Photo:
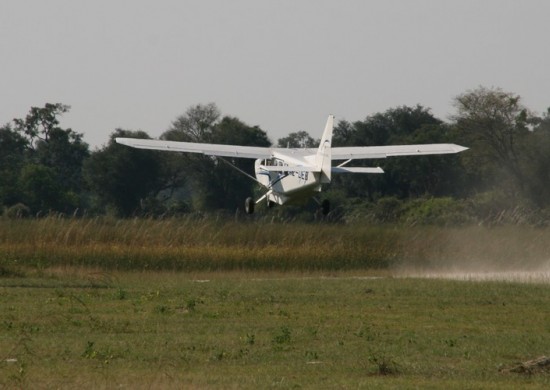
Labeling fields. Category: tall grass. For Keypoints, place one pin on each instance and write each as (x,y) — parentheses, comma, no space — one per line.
(191,244)
(188,244)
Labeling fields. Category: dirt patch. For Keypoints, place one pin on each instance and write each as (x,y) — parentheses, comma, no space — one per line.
(502,276)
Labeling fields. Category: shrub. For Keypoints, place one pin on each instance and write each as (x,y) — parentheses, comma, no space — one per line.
(17,211)
(388,209)
(436,211)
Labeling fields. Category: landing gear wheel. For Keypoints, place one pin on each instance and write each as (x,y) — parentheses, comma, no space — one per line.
(270,204)
(249,205)
(325,207)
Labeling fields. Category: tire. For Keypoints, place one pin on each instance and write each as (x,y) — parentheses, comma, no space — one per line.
(249,206)
(325,207)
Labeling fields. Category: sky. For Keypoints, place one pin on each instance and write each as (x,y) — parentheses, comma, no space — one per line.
(282,65)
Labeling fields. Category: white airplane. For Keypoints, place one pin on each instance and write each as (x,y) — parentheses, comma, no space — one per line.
(295,175)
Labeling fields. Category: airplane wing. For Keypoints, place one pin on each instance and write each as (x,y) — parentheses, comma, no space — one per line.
(364,152)
(193,147)
(254,152)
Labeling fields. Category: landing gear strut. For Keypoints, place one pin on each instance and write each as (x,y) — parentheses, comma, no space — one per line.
(249,205)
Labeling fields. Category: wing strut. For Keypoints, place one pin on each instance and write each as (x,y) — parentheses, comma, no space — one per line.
(240,170)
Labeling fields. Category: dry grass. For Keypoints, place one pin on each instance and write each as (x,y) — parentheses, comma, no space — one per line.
(204,245)
(190,245)
(194,245)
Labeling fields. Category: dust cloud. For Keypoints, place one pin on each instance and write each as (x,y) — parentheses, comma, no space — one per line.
(515,254)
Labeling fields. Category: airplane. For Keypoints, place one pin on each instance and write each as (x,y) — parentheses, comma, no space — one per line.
(292,175)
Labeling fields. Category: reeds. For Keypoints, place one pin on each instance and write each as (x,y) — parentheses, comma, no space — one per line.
(191,244)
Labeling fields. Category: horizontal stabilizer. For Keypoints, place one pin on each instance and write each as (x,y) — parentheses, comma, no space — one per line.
(357,170)
(289,168)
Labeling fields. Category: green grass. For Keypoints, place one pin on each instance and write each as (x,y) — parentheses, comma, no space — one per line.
(187,303)
(244,330)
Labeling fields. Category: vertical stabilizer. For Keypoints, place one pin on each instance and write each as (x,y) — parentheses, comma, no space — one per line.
(323,159)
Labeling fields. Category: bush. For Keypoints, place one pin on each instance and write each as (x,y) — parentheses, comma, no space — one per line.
(436,211)
(16,211)
(424,211)
(388,210)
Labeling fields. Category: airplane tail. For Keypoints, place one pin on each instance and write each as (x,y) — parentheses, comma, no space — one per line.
(323,159)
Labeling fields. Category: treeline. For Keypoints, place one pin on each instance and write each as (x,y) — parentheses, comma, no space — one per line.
(503,178)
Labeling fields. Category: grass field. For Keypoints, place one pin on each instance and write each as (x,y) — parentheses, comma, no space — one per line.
(169,330)
(86,304)
(193,245)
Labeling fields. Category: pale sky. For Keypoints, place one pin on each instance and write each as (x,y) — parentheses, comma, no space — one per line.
(283,65)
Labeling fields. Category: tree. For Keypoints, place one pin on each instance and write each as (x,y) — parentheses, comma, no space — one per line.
(494,124)
(195,125)
(536,163)
(387,128)
(404,176)
(182,169)
(225,187)
(60,150)
(212,182)
(64,152)
(300,139)
(40,122)
(42,191)
(417,176)
(122,177)
(12,159)
(543,123)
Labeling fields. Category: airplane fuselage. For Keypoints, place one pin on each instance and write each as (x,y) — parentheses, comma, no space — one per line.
(287,186)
